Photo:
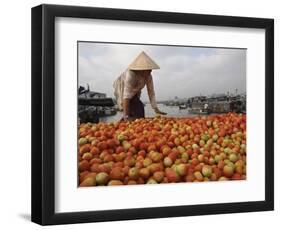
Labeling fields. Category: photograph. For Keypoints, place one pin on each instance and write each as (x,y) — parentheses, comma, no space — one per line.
(161,114)
(154,114)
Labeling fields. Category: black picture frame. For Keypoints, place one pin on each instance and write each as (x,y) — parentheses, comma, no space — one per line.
(43,113)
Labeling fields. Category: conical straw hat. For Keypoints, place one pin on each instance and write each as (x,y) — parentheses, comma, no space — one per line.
(143,62)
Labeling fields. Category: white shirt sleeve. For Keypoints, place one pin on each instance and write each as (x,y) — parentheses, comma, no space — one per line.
(150,92)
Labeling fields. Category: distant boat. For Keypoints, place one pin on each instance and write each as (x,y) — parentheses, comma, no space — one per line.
(220,103)
(93,105)
(182,106)
(198,111)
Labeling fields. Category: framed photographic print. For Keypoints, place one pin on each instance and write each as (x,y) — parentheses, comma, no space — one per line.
(145,114)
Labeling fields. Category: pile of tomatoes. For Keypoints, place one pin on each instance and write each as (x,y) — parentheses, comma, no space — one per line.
(163,150)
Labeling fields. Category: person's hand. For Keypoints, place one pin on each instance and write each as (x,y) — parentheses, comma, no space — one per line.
(157,111)
(124,118)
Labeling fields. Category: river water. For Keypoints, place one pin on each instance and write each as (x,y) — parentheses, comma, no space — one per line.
(172,111)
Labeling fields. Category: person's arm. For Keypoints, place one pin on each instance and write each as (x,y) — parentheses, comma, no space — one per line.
(126,102)
(151,95)
(127,94)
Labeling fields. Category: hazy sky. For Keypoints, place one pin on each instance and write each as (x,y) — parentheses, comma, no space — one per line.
(184,71)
